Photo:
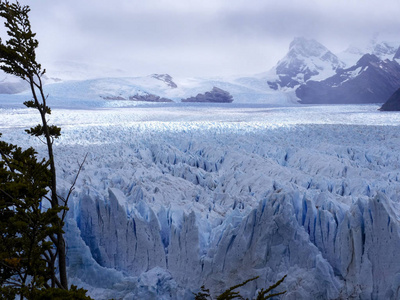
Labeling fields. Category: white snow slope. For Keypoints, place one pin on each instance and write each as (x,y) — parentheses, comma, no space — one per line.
(172,197)
(94,91)
(97,91)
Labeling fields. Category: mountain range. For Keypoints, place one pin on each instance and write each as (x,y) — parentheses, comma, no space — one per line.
(309,73)
(319,76)
(371,80)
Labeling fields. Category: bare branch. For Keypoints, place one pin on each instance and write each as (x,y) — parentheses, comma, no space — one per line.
(7,194)
(72,188)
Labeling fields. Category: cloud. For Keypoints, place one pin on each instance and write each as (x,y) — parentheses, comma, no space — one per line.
(200,37)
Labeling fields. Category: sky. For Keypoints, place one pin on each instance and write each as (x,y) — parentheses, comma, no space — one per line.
(196,37)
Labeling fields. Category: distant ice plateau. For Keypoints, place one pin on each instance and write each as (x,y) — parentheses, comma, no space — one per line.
(176,196)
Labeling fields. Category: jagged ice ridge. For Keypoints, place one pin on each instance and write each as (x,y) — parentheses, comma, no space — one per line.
(174,197)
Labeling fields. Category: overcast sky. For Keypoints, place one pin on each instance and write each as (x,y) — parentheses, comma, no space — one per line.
(199,37)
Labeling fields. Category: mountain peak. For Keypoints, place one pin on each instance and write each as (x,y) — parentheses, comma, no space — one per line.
(298,40)
(367,59)
(307,47)
(306,59)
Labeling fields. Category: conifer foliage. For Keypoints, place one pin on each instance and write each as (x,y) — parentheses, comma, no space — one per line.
(24,225)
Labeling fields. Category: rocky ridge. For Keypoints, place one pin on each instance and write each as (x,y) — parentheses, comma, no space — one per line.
(393,103)
(371,80)
(216,95)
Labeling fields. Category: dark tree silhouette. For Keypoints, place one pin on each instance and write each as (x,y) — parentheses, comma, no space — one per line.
(32,234)
(230,293)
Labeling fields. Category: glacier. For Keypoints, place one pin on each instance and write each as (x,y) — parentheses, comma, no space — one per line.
(175,196)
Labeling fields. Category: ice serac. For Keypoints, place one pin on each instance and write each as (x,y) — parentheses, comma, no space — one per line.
(110,283)
(162,214)
(360,244)
(184,252)
(269,238)
(289,233)
(307,59)
(116,241)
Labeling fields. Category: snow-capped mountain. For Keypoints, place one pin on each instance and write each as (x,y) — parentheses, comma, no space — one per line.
(307,59)
(371,80)
(383,49)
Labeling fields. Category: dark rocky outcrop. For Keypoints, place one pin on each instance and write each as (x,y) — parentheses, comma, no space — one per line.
(371,80)
(149,98)
(113,97)
(216,95)
(167,79)
(393,103)
(145,97)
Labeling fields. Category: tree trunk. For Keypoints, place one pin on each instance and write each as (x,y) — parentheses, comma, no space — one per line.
(60,244)
(62,261)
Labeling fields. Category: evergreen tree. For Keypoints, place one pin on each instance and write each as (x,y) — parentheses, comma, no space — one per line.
(32,238)
(24,225)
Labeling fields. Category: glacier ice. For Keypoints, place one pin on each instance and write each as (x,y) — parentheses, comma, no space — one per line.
(168,201)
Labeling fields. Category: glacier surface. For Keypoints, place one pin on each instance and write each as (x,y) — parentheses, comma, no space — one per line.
(173,197)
